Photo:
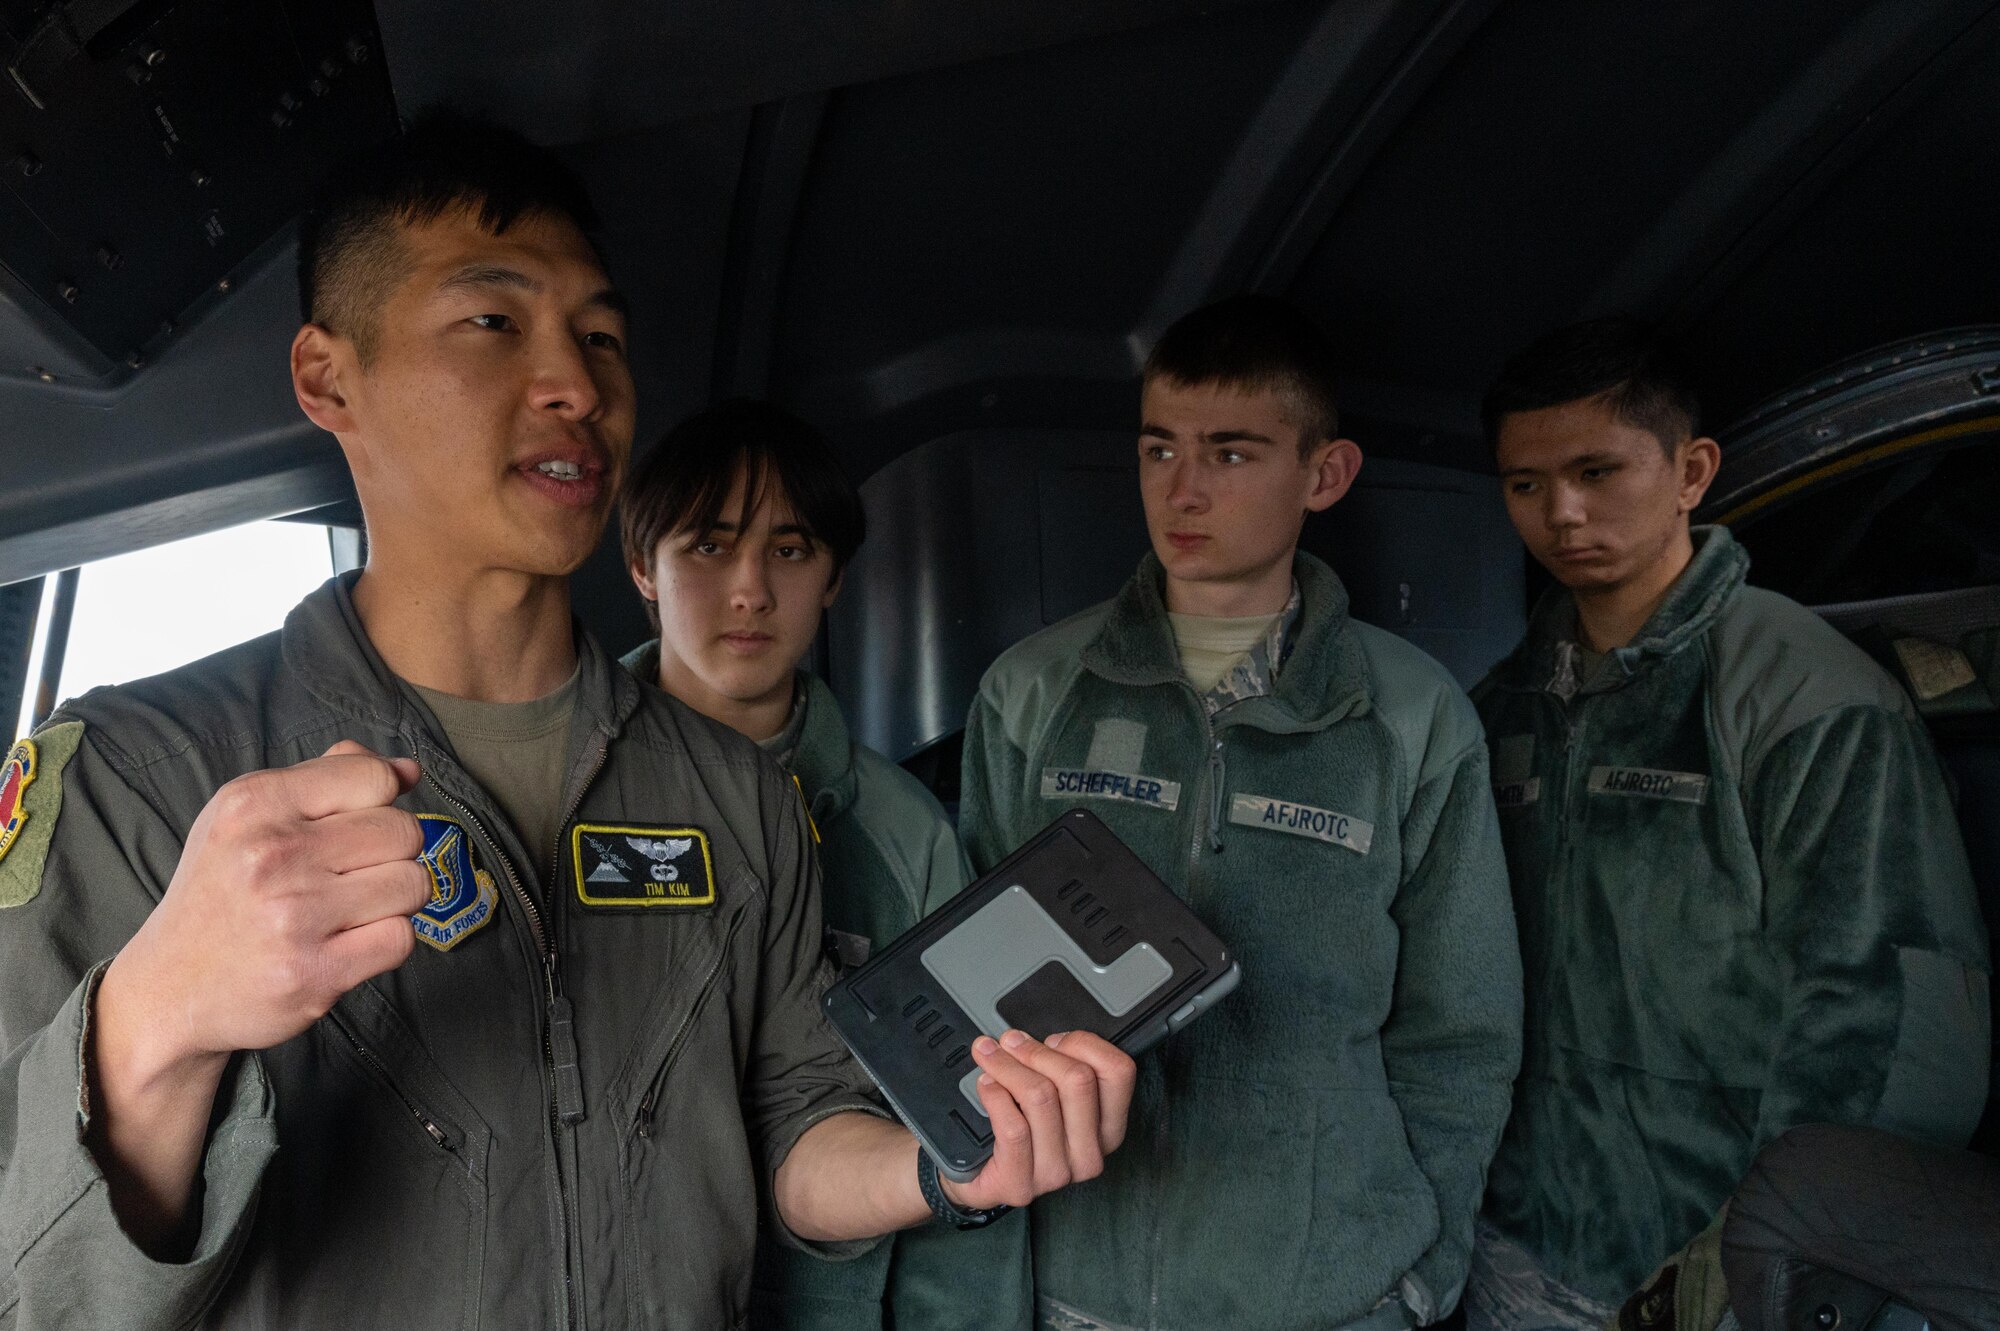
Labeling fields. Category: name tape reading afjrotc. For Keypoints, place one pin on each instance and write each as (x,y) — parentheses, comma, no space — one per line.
(1515,794)
(1338,829)
(1646,783)
(1078,783)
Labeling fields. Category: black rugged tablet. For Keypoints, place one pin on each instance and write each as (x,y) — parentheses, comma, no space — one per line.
(1069,933)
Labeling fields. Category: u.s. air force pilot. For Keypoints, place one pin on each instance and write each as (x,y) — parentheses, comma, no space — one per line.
(1742,897)
(555,1100)
(1311,1154)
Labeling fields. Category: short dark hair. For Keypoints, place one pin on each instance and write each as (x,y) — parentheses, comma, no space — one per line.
(684,482)
(350,256)
(1617,358)
(1253,343)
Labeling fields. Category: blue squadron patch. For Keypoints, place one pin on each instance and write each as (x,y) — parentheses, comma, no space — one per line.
(463,897)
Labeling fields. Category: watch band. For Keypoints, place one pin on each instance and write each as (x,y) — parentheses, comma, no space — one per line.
(941,1205)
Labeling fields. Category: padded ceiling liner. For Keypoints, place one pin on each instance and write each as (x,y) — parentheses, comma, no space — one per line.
(588,69)
(914,220)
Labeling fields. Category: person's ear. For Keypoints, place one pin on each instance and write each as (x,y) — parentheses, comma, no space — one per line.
(642,578)
(1334,465)
(321,361)
(832,590)
(1699,459)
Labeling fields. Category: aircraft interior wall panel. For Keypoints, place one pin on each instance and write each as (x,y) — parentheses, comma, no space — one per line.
(980,538)
(147,150)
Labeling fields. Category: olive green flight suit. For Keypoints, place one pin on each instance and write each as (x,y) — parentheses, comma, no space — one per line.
(559,1112)
(887,858)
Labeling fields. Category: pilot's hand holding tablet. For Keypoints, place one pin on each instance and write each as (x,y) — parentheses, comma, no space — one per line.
(1056,1109)
(1002,1028)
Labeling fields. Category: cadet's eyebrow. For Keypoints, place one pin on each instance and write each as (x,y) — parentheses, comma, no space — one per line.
(1237,437)
(611,298)
(1152,431)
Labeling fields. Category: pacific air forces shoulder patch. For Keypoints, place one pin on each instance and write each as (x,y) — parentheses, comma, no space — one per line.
(30,798)
(463,897)
(617,866)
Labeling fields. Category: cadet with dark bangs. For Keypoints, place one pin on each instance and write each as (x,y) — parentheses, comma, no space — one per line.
(737,530)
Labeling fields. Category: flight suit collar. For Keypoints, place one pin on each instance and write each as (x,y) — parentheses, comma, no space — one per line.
(1322,679)
(328,650)
(1546,657)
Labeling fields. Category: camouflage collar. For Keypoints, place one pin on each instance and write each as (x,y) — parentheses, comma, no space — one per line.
(1257,673)
(1322,678)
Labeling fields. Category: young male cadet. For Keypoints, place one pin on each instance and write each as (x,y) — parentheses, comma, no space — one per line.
(1311,1153)
(553,1101)
(1742,897)
(736,529)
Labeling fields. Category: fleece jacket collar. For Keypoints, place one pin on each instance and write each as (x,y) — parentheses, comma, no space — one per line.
(824,760)
(1324,680)
(1692,606)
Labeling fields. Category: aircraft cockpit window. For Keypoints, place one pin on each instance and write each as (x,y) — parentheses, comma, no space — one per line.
(138,614)
(1904,527)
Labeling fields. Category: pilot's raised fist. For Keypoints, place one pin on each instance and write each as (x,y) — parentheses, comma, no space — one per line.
(296,884)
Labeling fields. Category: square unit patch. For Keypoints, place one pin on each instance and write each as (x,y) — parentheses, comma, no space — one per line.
(642,867)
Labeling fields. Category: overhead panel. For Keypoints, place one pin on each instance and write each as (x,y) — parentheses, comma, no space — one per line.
(147,148)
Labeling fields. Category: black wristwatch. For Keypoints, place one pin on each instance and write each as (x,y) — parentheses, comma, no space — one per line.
(941,1206)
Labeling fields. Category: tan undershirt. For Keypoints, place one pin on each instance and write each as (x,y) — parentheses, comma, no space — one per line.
(515,751)
(1210,644)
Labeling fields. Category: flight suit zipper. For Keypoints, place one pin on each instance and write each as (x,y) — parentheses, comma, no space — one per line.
(430,1125)
(643,1121)
(544,941)
(566,1107)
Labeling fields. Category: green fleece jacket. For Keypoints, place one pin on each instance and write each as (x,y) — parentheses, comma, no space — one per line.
(1743,905)
(887,858)
(1319,1142)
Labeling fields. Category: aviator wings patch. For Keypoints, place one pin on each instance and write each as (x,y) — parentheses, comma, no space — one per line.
(646,867)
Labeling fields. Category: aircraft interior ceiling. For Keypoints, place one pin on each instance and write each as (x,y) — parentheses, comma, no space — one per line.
(923,225)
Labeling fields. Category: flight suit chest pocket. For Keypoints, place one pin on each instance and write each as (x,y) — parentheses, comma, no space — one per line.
(689,994)
(376,1141)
